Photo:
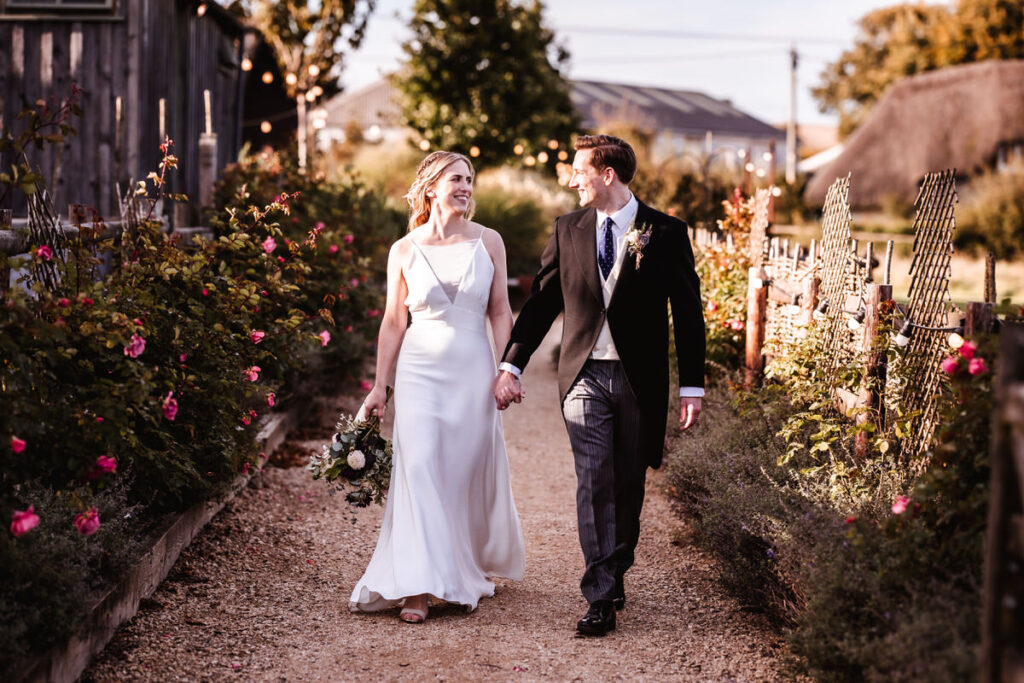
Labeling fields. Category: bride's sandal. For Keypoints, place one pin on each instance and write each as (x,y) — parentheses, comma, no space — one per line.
(413,616)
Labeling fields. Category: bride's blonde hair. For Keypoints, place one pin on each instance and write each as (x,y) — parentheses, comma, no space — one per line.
(429,172)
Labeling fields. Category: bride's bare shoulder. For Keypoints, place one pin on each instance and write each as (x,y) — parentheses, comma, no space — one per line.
(491,238)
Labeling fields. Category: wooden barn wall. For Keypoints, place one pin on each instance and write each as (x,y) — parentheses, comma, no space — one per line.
(152,49)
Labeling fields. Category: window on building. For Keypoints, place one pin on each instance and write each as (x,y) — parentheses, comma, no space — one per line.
(55,6)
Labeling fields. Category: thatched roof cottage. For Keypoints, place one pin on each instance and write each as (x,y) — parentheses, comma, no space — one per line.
(969,117)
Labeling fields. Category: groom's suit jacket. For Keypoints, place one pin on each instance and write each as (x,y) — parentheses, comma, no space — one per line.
(637,313)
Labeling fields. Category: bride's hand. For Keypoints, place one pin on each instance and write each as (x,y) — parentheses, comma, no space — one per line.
(375,402)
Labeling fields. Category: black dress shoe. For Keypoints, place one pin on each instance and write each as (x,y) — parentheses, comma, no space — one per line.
(599,619)
(620,595)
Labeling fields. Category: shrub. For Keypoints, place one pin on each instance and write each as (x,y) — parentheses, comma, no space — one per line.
(991,216)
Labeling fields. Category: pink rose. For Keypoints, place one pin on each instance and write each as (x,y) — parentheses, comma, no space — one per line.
(320,225)
(348,328)
(24,521)
(269,245)
(135,347)
(87,301)
(17,445)
(851,519)
(99,419)
(977,366)
(325,337)
(354,282)
(900,506)
(104,465)
(44,252)
(182,357)
(206,292)
(170,406)
(373,313)
(245,468)
(246,420)
(137,322)
(366,385)
(333,249)
(64,303)
(967,349)
(349,239)
(256,336)
(280,259)
(271,399)
(252,374)
(712,306)
(88,522)
(736,324)
(949,365)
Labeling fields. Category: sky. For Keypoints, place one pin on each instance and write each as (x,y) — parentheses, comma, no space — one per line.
(729,49)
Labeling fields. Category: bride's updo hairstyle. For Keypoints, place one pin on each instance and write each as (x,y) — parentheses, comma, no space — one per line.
(430,171)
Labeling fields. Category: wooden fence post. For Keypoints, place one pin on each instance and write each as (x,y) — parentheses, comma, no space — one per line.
(757,306)
(1002,658)
(877,315)
(980,319)
(207,158)
(6,216)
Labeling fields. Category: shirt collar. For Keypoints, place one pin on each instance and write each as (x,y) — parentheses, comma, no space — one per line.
(622,218)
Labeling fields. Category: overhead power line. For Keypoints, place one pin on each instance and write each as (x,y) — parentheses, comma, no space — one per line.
(700,35)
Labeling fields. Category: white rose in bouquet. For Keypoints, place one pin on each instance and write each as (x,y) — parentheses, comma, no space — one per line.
(357,460)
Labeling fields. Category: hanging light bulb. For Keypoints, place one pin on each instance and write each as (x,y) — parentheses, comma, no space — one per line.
(903,337)
(955,340)
(246,64)
(265,127)
(857,319)
(474,151)
(542,157)
(424,145)
(267,77)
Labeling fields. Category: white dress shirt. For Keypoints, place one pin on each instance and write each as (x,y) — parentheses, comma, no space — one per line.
(604,347)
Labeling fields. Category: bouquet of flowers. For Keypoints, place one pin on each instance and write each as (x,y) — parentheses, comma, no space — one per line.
(357,457)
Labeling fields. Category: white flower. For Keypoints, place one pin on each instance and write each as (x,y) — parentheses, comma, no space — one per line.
(356,460)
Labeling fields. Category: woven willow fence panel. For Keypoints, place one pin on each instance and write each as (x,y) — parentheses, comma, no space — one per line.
(929,303)
(842,274)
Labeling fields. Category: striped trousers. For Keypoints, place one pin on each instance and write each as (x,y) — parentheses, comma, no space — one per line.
(604,424)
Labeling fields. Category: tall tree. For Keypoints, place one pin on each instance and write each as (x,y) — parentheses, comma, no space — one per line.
(309,38)
(483,77)
(903,40)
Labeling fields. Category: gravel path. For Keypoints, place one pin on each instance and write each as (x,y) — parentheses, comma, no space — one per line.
(262,593)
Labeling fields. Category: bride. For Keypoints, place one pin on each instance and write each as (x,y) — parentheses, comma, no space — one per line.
(450,521)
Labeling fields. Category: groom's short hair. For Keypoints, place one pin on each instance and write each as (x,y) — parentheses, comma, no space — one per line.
(610,151)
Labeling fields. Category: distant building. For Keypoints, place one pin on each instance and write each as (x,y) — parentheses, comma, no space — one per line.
(968,117)
(127,56)
(683,121)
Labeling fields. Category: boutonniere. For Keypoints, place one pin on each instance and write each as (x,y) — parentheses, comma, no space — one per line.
(637,238)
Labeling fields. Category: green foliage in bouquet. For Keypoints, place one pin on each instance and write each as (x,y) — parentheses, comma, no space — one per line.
(357,457)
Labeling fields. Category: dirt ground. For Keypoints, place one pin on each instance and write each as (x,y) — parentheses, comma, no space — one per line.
(262,593)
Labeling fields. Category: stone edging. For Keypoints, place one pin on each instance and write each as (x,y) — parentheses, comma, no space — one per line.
(66,662)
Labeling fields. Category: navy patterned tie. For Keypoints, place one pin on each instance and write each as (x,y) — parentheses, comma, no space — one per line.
(607,256)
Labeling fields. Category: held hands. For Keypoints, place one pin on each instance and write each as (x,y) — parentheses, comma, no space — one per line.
(508,390)
(689,411)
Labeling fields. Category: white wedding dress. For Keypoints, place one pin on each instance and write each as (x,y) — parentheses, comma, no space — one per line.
(450,521)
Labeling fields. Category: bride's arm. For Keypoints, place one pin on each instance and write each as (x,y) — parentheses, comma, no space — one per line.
(392,327)
(499,312)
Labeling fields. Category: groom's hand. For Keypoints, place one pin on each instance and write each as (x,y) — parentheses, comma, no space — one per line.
(508,390)
(689,411)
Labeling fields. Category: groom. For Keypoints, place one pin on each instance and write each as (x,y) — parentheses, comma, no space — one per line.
(612,268)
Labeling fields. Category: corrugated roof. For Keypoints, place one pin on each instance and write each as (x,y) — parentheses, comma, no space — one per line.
(680,111)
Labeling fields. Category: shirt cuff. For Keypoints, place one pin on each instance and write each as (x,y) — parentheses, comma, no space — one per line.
(511,368)
(691,392)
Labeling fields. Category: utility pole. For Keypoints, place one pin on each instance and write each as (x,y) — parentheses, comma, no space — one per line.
(791,125)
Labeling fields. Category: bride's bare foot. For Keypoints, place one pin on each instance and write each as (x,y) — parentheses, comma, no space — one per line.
(414,610)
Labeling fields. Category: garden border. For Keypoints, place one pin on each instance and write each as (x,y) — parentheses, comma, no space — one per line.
(67,661)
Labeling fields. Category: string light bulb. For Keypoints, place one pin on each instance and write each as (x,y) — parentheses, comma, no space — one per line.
(955,340)
(267,77)
(246,64)
(903,337)
(265,127)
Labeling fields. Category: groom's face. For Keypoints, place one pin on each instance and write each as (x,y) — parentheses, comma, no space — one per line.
(587,180)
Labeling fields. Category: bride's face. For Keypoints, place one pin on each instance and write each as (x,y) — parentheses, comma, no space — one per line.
(454,189)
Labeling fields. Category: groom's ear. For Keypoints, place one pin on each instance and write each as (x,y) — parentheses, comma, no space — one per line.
(608,175)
